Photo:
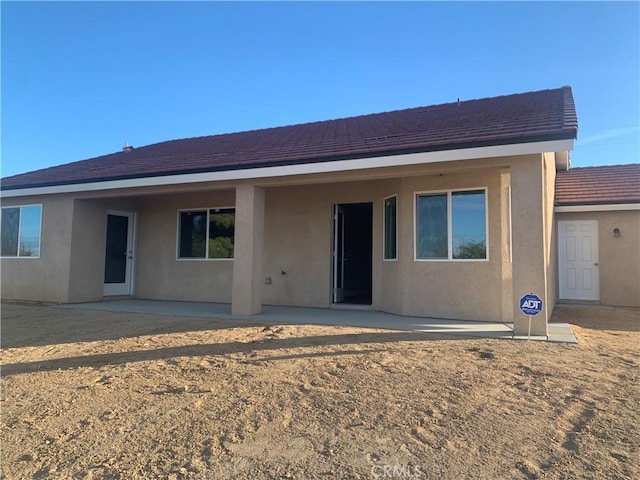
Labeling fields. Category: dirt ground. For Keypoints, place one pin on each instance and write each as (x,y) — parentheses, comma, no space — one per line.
(97,395)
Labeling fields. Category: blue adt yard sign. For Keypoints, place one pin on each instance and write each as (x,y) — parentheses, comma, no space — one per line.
(531,304)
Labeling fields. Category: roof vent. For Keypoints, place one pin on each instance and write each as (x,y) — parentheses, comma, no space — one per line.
(127,147)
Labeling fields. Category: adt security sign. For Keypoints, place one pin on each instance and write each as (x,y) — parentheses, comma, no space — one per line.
(531,304)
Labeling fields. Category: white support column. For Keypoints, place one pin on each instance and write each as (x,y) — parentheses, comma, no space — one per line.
(528,234)
(246,298)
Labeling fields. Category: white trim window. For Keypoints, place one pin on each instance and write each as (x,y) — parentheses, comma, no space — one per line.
(20,231)
(451,225)
(390,221)
(206,233)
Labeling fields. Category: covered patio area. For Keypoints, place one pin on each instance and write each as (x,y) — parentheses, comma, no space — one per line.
(558,332)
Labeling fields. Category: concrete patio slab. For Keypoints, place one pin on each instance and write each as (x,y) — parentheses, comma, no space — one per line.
(558,332)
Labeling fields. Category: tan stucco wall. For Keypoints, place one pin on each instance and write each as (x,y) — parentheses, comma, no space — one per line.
(505,241)
(451,289)
(158,273)
(298,231)
(531,240)
(45,278)
(550,226)
(297,241)
(298,236)
(86,280)
(246,292)
(387,287)
(619,258)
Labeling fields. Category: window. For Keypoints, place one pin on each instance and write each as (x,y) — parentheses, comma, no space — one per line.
(451,225)
(390,228)
(206,233)
(21,231)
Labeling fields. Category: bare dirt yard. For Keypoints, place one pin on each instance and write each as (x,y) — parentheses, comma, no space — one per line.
(97,395)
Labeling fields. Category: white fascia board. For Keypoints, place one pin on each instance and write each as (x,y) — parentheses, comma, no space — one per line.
(597,208)
(304,169)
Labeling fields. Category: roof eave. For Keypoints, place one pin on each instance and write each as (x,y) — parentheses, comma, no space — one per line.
(597,207)
(562,142)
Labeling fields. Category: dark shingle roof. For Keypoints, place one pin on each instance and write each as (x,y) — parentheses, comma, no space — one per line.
(511,119)
(610,184)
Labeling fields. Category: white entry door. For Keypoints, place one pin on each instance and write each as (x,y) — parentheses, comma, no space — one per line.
(118,258)
(578,260)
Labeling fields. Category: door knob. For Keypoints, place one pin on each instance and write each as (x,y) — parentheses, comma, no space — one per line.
(595,264)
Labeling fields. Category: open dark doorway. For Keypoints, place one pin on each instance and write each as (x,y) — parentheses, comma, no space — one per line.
(352,253)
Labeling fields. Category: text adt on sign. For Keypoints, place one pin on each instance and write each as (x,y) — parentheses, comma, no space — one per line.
(531,304)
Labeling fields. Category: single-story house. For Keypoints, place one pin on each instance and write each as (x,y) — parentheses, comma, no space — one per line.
(598,216)
(441,211)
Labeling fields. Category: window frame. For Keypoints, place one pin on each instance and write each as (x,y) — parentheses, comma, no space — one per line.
(384,231)
(449,193)
(206,258)
(17,255)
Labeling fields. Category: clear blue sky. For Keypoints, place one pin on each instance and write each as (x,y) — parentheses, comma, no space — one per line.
(81,79)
